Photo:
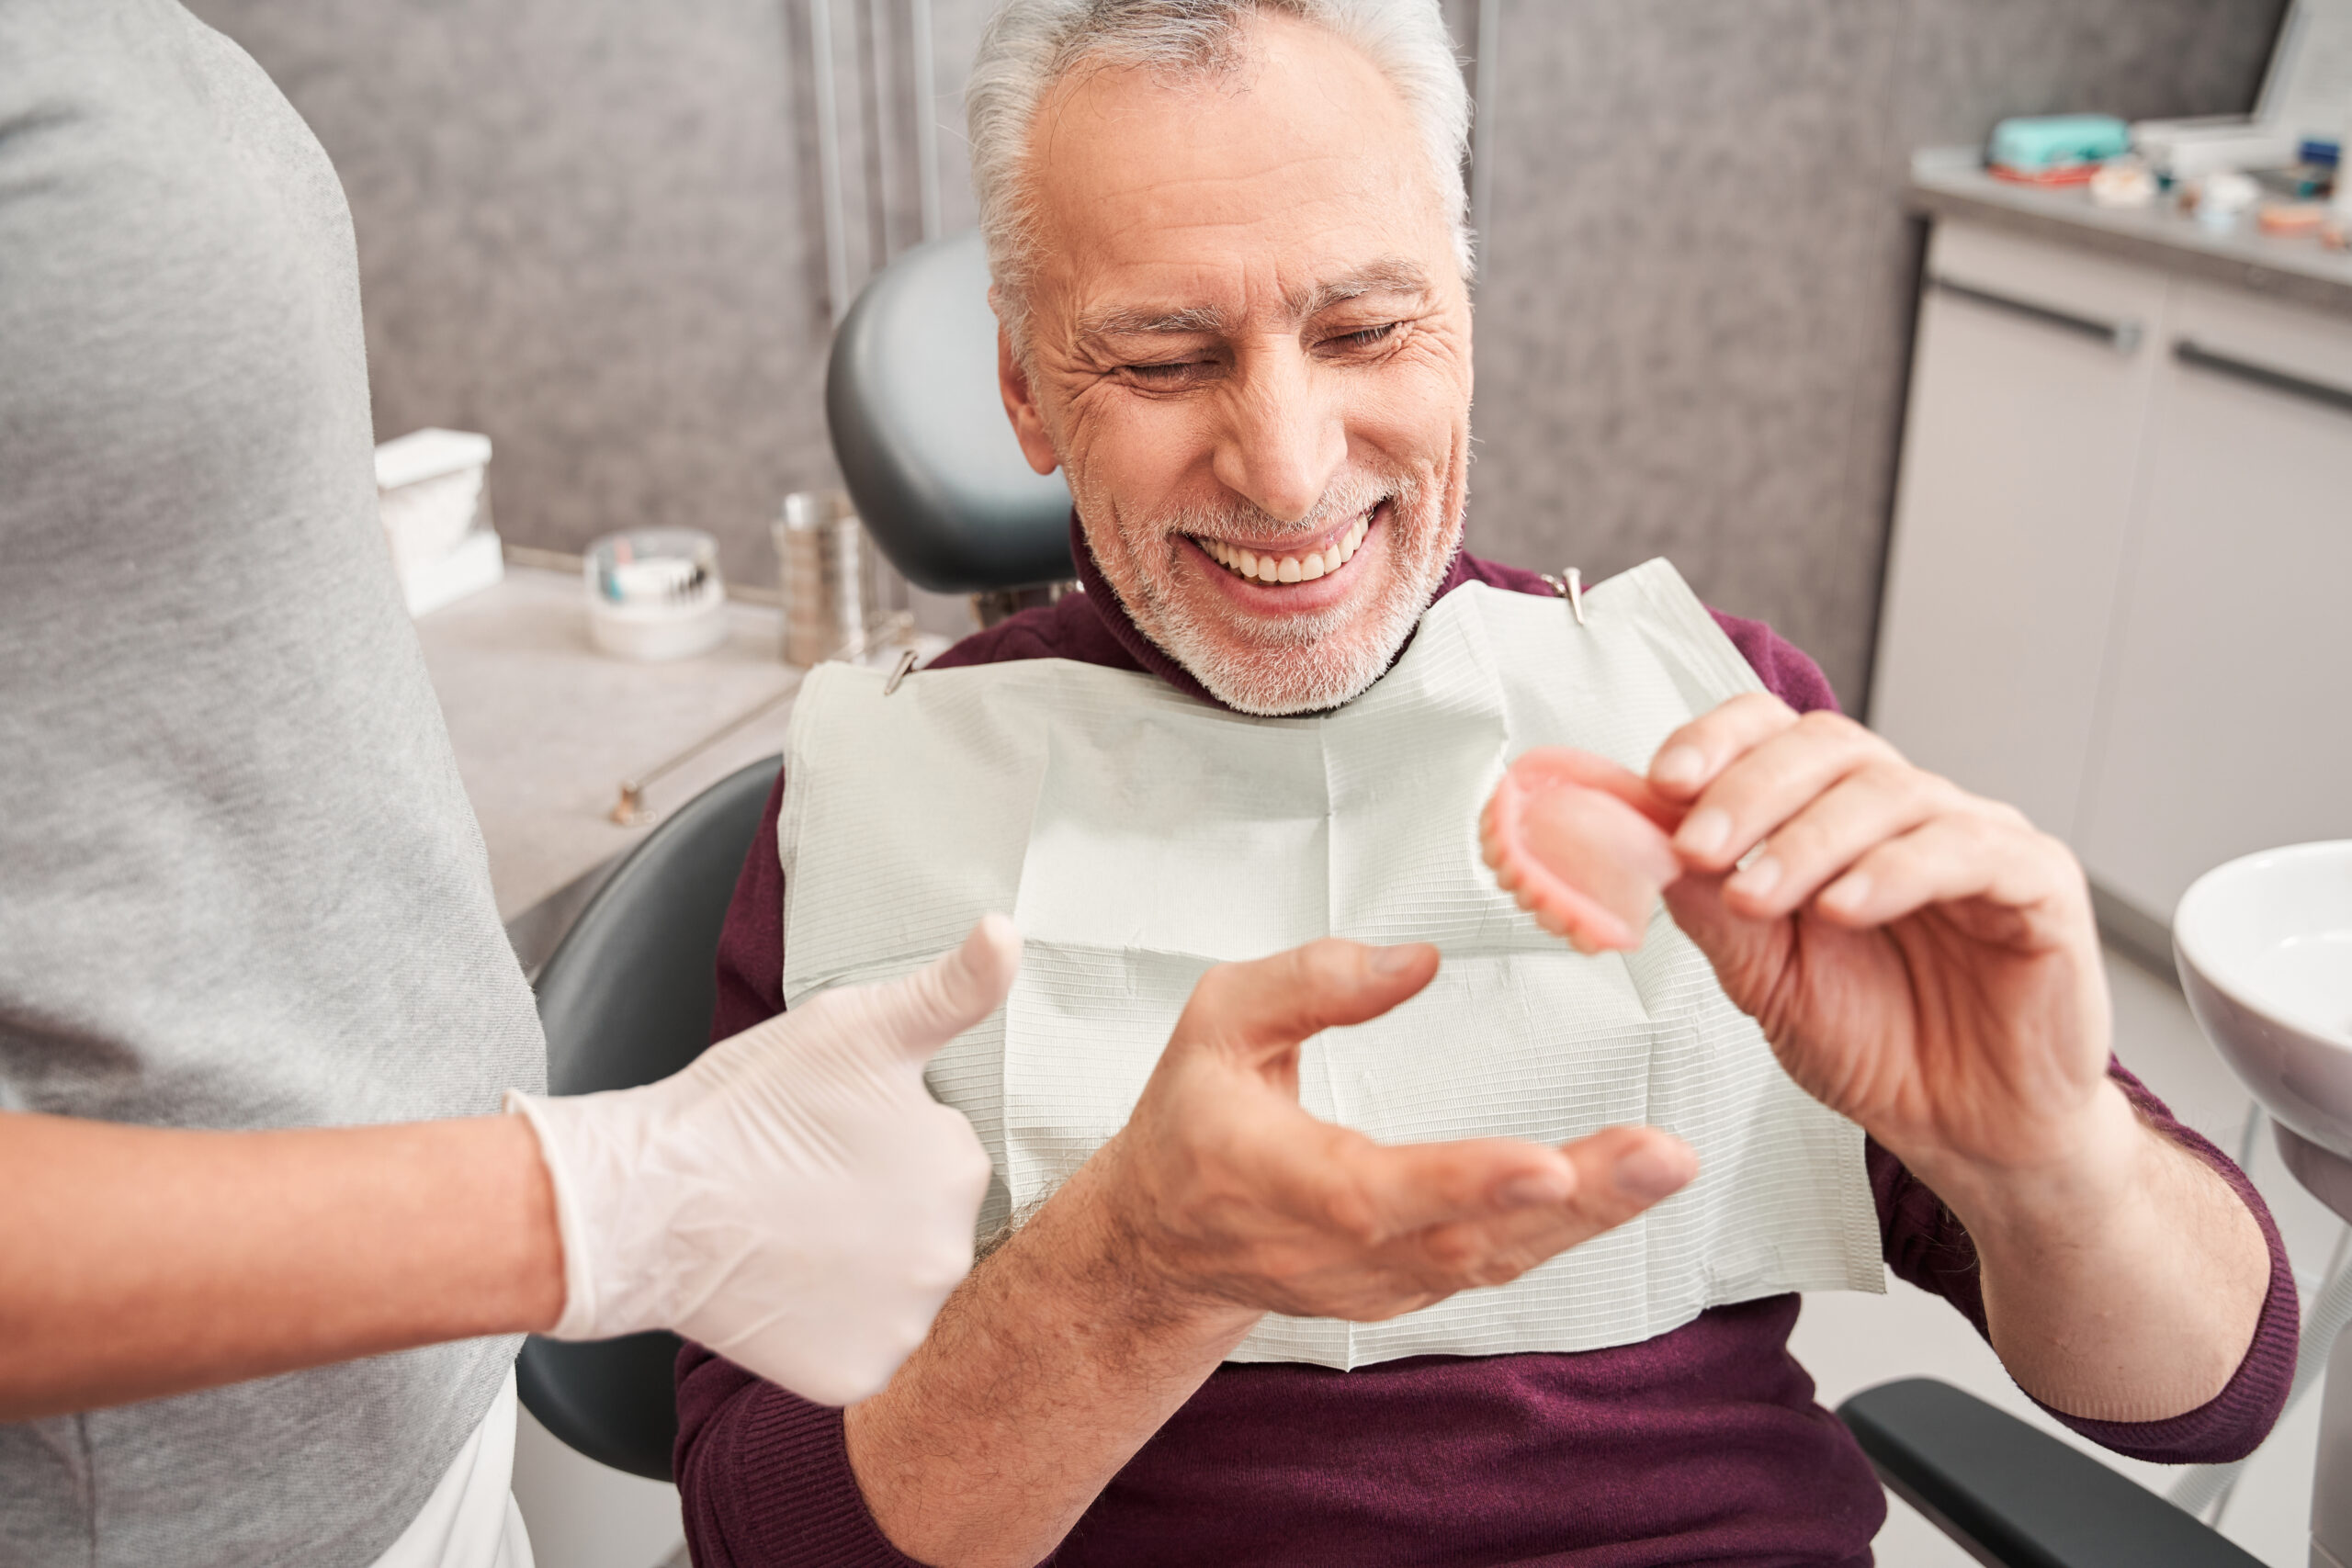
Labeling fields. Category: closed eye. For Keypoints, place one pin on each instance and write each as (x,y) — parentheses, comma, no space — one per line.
(1169,372)
(1363,338)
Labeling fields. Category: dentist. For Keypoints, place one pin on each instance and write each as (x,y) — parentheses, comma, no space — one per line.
(266,1238)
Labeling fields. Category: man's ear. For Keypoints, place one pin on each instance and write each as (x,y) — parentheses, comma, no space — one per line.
(1021,406)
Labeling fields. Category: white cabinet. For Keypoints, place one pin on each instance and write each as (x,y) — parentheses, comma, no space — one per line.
(2119,586)
(2018,464)
(2228,724)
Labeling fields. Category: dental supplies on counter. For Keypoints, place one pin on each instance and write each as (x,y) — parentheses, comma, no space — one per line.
(826,575)
(655,593)
(2055,149)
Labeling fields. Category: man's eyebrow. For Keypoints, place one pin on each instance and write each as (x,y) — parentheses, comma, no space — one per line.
(1391,274)
(1146,320)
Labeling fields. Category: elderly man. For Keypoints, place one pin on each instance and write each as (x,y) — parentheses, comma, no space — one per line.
(1229,259)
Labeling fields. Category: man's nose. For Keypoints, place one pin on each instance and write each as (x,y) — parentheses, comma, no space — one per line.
(1285,435)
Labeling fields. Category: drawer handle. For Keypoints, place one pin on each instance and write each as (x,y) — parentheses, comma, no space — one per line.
(2121,337)
(2198,357)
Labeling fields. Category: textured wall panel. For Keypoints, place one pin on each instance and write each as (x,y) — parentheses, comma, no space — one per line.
(591,228)
(1696,306)
(582,229)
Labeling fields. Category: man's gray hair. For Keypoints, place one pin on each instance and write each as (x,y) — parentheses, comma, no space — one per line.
(1032,44)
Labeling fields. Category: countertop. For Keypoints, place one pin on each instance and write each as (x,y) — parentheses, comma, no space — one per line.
(545,728)
(1951,183)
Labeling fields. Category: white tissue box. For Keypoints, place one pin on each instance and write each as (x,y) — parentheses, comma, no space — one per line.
(430,486)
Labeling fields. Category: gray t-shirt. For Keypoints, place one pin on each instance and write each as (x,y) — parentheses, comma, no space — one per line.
(240,884)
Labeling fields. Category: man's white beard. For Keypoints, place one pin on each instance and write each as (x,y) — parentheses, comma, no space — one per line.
(1297,663)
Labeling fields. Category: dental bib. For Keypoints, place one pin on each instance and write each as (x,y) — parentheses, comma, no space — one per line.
(1139,836)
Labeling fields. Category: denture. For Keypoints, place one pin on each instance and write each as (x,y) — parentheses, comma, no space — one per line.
(1584,846)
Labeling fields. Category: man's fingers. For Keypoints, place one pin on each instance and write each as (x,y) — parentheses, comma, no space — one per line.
(1603,1180)
(1270,1004)
(1770,782)
(1960,855)
(1688,760)
(1878,801)
(1621,1173)
(919,1012)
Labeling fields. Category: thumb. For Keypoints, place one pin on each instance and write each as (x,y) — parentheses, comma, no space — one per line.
(919,1012)
(1264,1008)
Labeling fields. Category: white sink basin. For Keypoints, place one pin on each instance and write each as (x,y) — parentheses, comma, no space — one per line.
(2265,947)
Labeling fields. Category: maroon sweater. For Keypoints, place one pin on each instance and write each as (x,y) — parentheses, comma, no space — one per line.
(1701,1445)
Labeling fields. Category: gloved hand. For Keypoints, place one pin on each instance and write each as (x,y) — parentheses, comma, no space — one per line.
(795,1200)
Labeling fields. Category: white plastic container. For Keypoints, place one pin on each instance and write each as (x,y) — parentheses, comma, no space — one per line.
(655,593)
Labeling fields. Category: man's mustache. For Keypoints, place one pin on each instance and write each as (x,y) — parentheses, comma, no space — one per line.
(1242,520)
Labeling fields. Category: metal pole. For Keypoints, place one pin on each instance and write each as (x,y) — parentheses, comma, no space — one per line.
(922,68)
(1484,72)
(829,158)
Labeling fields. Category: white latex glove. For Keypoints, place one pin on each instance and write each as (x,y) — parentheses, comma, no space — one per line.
(795,1200)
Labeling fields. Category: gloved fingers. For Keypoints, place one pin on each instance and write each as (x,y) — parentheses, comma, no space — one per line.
(919,1013)
(1266,1007)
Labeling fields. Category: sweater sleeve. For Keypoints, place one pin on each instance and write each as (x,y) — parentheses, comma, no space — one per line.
(751,942)
(763,1476)
(1926,1245)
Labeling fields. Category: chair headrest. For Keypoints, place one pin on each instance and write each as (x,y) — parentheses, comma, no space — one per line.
(920,430)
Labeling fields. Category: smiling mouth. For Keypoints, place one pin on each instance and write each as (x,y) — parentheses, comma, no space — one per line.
(1289,564)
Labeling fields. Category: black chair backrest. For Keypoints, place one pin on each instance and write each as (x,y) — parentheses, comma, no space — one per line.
(920,432)
(626,998)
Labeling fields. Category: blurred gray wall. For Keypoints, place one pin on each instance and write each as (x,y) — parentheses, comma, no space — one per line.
(592,229)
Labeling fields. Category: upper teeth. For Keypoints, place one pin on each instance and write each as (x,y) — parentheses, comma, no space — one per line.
(1289,569)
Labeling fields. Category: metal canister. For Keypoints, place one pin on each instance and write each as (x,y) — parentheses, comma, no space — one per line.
(827,581)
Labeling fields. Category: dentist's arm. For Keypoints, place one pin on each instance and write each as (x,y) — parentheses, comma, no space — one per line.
(1925,963)
(795,1196)
(136,1262)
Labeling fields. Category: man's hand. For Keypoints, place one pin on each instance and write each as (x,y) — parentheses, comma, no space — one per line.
(1219,1200)
(1925,963)
(1221,1190)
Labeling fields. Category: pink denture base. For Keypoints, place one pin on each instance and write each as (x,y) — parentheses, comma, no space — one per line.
(1582,844)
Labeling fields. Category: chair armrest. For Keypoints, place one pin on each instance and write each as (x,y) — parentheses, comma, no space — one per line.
(2015,1496)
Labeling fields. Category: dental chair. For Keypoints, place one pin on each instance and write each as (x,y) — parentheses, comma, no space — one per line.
(920,432)
(626,998)
(2013,1496)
